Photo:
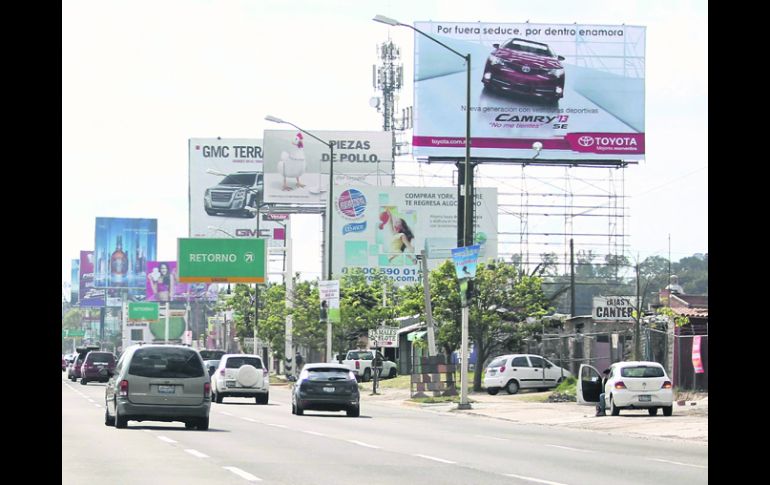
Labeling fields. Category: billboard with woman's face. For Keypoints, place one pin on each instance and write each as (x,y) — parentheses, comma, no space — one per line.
(163,284)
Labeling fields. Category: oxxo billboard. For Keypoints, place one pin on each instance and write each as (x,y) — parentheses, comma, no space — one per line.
(297,165)
(225,181)
(576,89)
(385,228)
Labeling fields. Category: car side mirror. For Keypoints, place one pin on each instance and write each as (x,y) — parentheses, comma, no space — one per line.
(110,373)
(548,366)
(292,378)
(496,46)
(340,357)
(561,58)
(212,369)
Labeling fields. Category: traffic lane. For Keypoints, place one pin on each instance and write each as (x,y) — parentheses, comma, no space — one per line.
(93,452)
(401,438)
(279,449)
(469,438)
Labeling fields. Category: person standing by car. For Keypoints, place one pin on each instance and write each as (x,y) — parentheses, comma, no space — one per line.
(299,362)
(601,407)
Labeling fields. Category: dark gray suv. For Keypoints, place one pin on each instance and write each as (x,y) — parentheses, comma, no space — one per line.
(159,383)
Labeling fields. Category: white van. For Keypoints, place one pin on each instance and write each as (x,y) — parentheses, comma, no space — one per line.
(522,371)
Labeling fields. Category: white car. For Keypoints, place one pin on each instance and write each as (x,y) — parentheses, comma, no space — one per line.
(240,375)
(630,385)
(522,371)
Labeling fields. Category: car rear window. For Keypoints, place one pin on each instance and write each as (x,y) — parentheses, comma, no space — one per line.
(325,374)
(166,362)
(642,371)
(237,362)
(361,356)
(497,363)
(105,357)
(212,354)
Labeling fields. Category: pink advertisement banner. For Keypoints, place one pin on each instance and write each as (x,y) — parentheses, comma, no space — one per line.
(697,362)
(162,284)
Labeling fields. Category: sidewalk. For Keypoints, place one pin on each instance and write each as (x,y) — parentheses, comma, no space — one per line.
(689,421)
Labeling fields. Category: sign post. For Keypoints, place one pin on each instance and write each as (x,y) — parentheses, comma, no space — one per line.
(465,259)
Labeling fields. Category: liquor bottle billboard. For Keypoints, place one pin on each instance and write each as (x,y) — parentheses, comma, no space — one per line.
(121,251)
(89,296)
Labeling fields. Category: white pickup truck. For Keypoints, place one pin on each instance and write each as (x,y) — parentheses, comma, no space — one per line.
(360,362)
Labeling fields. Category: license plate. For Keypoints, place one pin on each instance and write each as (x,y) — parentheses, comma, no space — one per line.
(492,372)
(166,389)
(230,383)
(328,389)
(645,398)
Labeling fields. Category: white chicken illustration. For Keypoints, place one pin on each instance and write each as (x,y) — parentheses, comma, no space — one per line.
(293,164)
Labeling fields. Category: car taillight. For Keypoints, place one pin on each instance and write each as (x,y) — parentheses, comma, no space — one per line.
(264,373)
(358,365)
(124,388)
(502,369)
(666,385)
(221,372)
(620,385)
(207,390)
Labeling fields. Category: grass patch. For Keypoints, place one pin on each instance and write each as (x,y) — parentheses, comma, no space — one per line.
(568,386)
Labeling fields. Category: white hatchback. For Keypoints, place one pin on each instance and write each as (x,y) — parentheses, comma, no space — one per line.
(630,385)
(522,371)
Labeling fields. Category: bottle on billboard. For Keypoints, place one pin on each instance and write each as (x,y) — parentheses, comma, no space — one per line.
(118,260)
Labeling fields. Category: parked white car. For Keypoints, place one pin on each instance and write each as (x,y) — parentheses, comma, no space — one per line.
(240,375)
(630,385)
(522,371)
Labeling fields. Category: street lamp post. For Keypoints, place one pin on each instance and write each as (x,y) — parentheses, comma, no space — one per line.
(465,203)
(329,215)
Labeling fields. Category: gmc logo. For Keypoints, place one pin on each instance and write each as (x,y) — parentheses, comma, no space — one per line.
(252,233)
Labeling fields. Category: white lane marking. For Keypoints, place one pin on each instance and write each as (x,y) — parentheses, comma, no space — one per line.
(98,406)
(491,438)
(197,453)
(313,432)
(677,463)
(250,419)
(570,449)
(530,479)
(90,400)
(242,474)
(226,414)
(361,443)
(167,440)
(435,459)
(277,425)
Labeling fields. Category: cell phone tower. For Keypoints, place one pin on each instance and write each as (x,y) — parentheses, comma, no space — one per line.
(387,79)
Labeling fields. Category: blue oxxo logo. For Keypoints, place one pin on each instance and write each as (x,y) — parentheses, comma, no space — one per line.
(354,227)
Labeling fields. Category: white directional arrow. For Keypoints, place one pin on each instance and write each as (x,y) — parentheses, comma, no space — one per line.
(249,257)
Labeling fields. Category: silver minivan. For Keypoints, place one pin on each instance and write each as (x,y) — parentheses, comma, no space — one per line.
(159,383)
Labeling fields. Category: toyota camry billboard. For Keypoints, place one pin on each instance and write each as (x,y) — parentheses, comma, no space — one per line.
(576,89)
(386,228)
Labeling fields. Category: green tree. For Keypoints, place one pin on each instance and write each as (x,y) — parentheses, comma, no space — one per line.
(503,298)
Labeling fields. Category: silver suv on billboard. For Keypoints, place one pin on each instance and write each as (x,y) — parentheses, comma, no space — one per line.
(233,194)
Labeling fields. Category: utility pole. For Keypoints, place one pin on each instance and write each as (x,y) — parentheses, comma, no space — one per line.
(426,299)
(637,321)
(572,278)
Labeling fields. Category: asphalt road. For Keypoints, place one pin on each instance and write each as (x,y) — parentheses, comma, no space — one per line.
(388,444)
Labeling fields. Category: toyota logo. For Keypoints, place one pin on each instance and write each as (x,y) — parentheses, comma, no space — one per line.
(525,69)
(586,141)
